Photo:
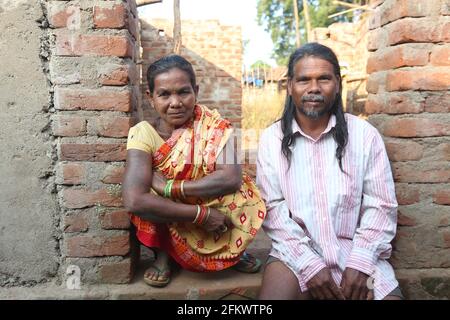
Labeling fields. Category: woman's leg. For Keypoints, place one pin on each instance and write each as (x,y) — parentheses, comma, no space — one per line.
(280,283)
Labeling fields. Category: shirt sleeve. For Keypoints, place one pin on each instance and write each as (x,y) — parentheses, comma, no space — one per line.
(140,137)
(288,238)
(378,221)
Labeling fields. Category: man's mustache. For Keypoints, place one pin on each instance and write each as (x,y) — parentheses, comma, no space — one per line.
(313,98)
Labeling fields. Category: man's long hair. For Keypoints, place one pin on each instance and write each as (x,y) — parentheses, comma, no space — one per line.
(340,131)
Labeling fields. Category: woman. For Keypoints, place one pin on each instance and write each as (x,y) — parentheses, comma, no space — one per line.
(183,202)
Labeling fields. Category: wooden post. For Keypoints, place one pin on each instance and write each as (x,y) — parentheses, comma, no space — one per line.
(307,20)
(176,27)
(297,24)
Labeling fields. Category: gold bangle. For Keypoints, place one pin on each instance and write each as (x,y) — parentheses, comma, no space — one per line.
(182,189)
(198,214)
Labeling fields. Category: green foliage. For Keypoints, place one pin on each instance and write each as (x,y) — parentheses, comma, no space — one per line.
(260,65)
(277,17)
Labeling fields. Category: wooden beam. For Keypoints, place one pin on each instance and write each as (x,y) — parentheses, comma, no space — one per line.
(349,5)
(176,27)
(140,3)
(349,10)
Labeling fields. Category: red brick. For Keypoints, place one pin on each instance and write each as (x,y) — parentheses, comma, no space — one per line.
(97,246)
(440,55)
(377,39)
(93,152)
(437,102)
(71,173)
(407,194)
(115,220)
(446,237)
(433,79)
(418,30)
(404,220)
(116,127)
(116,272)
(404,150)
(394,103)
(81,198)
(442,197)
(424,173)
(376,82)
(407,8)
(60,16)
(113,174)
(415,127)
(442,152)
(97,45)
(77,222)
(398,56)
(115,77)
(69,126)
(114,17)
(92,99)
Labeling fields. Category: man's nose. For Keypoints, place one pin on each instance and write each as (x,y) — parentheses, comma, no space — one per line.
(314,87)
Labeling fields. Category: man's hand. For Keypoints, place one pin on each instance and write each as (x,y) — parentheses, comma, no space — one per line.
(355,286)
(322,286)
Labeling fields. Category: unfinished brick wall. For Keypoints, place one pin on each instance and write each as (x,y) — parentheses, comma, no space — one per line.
(349,42)
(409,102)
(214,50)
(92,70)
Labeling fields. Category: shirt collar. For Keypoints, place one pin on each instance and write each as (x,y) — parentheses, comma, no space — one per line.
(297,130)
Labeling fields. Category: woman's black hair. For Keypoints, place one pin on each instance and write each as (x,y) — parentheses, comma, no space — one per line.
(340,131)
(166,63)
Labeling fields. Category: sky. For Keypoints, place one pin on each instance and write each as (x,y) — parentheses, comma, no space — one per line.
(228,12)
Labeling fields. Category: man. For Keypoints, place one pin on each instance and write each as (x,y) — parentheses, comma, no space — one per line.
(327,184)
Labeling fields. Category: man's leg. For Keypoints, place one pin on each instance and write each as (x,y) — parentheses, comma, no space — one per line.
(280,283)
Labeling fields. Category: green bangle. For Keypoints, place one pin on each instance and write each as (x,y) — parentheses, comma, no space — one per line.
(168,189)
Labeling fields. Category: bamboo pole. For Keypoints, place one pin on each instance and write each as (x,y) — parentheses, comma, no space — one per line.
(297,24)
(176,27)
(307,20)
(140,3)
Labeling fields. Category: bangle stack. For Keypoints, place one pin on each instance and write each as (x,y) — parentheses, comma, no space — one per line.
(202,216)
(168,188)
(174,189)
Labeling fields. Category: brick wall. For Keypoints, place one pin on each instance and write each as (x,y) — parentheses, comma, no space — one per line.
(94,77)
(409,102)
(214,50)
(349,42)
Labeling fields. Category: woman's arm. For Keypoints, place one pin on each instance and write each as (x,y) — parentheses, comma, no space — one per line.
(226,179)
(138,199)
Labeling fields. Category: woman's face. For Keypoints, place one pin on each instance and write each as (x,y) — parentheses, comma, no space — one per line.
(173,97)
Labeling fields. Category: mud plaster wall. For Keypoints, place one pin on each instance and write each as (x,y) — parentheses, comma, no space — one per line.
(28,208)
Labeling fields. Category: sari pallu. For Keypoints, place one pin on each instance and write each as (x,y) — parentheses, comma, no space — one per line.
(189,154)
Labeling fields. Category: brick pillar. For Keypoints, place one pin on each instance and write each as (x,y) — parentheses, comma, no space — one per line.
(95,81)
(409,101)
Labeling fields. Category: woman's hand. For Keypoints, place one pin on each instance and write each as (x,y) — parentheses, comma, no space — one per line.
(217,222)
(158,182)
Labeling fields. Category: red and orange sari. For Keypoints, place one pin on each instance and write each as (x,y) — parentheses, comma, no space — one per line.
(189,154)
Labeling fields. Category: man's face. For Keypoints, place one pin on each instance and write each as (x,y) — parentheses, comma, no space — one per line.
(314,87)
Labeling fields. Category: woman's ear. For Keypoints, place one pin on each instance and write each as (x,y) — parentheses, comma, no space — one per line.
(196,90)
(149,97)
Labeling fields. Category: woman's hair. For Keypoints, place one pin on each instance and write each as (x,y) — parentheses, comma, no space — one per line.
(340,132)
(166,63)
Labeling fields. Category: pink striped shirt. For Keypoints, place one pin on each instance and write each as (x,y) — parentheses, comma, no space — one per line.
(320,217)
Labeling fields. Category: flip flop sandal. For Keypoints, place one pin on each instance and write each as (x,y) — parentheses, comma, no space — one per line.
(157,283)
(248,264)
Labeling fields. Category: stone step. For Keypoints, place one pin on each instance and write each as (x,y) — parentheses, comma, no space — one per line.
(227,284)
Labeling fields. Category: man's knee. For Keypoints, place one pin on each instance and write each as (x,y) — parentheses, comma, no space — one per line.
(279,283)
